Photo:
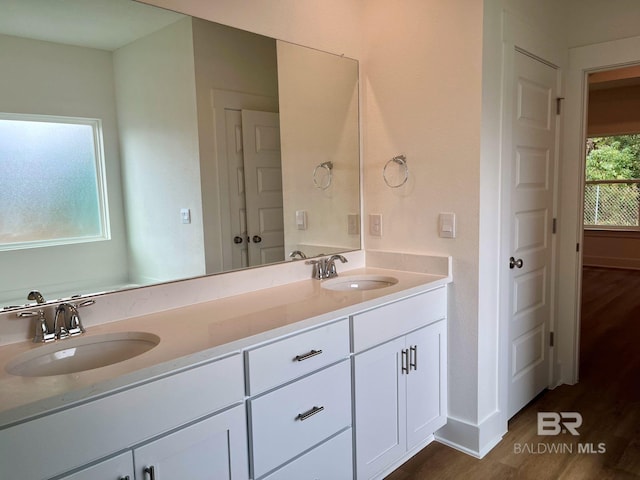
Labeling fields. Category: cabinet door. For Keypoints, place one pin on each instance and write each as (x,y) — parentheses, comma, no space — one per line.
(215,448)
(380,398)
(116,468)
(426,382)
(330,461)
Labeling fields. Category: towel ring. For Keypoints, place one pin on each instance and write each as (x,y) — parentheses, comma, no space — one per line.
(319,183)
(400,160)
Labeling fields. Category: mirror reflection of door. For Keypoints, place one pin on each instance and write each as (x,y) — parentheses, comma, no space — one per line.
(256,236)
(263,186)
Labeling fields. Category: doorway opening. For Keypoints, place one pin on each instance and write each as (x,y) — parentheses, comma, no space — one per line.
(611,220)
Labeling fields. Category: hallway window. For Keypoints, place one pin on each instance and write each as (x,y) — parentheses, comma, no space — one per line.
(612,183)
(51,181)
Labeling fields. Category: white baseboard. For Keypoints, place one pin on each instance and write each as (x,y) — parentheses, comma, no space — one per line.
(474,440)
(611,262)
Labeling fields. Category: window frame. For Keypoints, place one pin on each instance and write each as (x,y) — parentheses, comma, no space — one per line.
(100,178)
(611,228)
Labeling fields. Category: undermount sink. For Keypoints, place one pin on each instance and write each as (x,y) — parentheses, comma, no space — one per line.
(359,282)
(81,353)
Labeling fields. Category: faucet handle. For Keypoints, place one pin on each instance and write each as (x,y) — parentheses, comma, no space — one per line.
(75,324)
(42,333)
(331,265)
(319,268)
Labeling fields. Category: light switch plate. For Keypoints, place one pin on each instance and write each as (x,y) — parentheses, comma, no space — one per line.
(375,225)
(185,214)
(301,219)
(447,225)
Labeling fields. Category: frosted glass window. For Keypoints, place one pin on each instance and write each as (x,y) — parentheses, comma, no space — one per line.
(51,188)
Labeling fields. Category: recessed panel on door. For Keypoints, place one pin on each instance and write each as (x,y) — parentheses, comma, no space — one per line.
(530,230)
(267,139)
(528,352)
(269,180)
(529,292)
(532,168)
(271,220)
(534,104)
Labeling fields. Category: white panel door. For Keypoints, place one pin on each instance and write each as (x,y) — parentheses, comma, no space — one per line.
(531,190)
(215,448)
(380,415)
(263,186)
(426,382)
(236,192)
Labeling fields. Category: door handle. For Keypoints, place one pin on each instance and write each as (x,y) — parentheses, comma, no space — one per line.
(151,471)
(413,357)
(405,361)
(237,240)
(257,239)
(515,263)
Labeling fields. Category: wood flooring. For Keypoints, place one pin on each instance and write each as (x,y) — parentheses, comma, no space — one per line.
(607,396)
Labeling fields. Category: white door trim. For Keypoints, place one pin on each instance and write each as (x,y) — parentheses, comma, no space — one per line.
(582,60)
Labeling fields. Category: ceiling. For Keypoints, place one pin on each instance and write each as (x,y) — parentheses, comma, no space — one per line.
(88,23)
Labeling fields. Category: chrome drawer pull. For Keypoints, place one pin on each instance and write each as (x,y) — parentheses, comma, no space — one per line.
(310,413)
(312,353)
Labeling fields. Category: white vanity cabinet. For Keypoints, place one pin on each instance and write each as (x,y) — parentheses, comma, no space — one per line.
(212,448)
(80,435)
(399,385)
(299,426)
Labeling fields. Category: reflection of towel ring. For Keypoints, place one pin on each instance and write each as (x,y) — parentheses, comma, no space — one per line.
(323,185)
(400,160)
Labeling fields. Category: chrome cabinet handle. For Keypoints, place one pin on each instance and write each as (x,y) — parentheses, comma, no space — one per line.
(306,356)
(151,471)
(405,361)
(310,413)
(413,357)
(515,263)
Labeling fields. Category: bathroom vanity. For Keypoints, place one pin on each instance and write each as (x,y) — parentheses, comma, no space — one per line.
(293,381)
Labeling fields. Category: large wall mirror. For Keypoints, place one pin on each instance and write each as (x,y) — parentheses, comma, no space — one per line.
(141,146)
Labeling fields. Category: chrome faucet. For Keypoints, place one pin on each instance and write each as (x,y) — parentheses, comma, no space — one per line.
(297,253)
(331,265)
(66,322)
(70,324)
(37,296)
(319,268)
(325,267)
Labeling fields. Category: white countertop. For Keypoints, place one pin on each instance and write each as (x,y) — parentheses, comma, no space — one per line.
(198,333)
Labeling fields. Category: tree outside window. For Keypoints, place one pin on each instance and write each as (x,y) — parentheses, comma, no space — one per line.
(612,194)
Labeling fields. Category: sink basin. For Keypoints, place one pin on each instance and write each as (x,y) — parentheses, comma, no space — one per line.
(359,282)
(81,353)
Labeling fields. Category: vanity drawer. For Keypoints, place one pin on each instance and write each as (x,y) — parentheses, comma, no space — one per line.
(287,359)
(286,422)
(381,324)
(330,461)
